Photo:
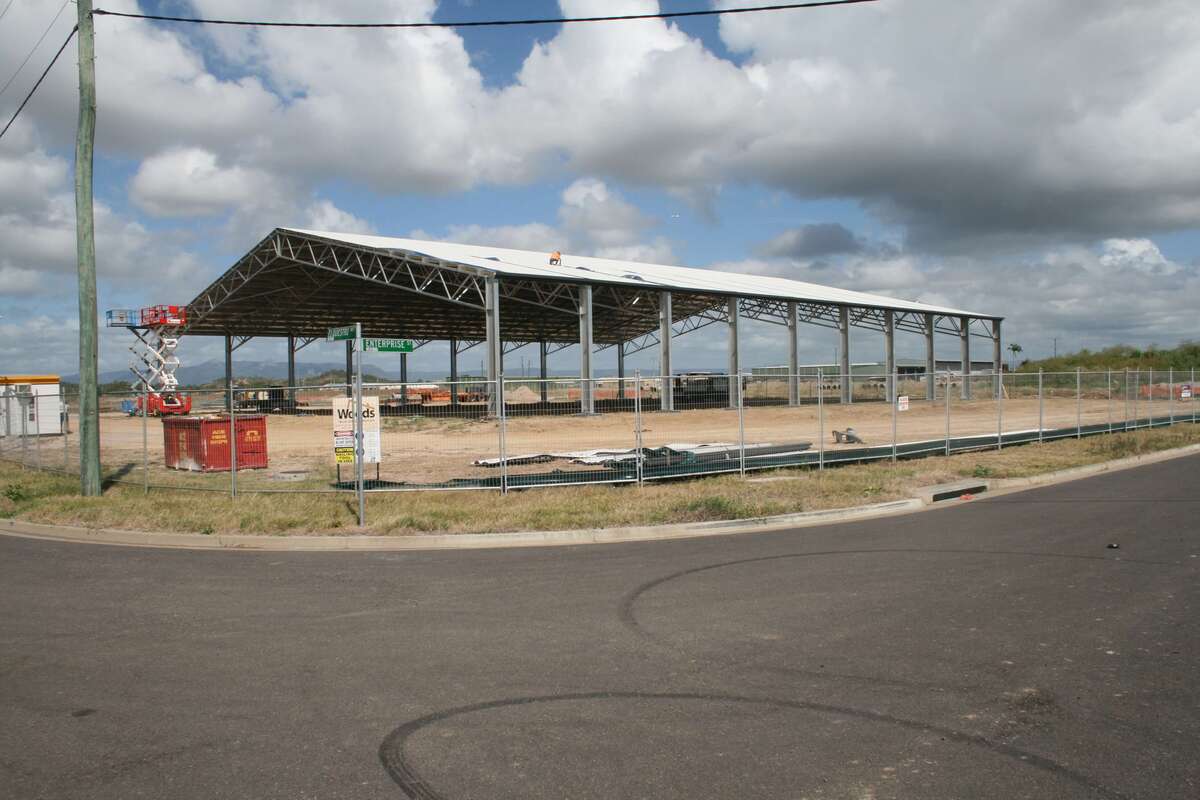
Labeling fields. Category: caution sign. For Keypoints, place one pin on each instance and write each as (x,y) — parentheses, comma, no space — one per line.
(1185,392)
(902,403)
(343,430)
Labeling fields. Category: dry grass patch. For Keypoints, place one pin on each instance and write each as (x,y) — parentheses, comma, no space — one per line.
(51,498)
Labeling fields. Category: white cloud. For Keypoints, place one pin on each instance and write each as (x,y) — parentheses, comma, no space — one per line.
(1088,131)
(530,236)
(188,182)
(593,220)
(323,215)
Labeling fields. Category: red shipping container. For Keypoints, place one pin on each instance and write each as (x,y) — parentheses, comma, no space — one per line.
(201,444)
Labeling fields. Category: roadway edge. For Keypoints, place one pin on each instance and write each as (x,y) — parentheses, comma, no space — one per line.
(364,543)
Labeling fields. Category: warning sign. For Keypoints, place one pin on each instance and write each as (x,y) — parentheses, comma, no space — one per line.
(343,430)
(1185,392)
(902,403)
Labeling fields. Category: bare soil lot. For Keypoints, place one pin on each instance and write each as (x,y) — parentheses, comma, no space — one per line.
(436,449)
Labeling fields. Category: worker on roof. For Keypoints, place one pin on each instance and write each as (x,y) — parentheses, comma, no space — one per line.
(555,258)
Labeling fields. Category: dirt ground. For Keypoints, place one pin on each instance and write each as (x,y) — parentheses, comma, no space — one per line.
(423,450)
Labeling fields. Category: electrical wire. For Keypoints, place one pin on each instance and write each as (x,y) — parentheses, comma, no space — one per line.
(34,49)
(6,8)
(709,12)
(45,72)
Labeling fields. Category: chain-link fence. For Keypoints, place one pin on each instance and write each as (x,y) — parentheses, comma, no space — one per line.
(475,434)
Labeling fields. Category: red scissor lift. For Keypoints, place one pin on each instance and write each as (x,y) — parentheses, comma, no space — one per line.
(154,361)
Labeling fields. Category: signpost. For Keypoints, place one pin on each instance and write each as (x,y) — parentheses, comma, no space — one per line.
(339,334)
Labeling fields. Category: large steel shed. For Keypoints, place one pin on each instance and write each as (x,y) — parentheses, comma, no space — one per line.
(298,283)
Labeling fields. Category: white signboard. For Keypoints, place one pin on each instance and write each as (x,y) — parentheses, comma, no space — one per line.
(1185,392)
(343,430)
(902,403)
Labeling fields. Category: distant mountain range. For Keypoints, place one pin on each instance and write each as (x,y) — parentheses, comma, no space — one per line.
(208,371)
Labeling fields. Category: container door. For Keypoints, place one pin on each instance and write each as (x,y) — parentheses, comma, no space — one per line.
(252,442)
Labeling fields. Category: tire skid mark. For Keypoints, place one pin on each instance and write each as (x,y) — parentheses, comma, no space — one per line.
(402,772)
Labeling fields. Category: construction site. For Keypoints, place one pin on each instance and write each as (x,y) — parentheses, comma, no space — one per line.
(372,295)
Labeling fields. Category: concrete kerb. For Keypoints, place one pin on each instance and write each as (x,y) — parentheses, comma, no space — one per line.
(250,542)
(453,541)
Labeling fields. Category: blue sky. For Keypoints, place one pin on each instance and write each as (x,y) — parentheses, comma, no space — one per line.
(877,148)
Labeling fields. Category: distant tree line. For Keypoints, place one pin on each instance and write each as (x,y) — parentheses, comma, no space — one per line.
(1182,359)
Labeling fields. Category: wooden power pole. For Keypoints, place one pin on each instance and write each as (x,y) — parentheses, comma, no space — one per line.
(85,236)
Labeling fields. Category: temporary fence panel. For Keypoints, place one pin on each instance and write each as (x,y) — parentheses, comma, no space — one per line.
(772,432)
(433,435)
(701,436)
(555,442)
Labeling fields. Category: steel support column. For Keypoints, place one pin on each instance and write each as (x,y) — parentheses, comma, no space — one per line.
(889,353)
(667,394)
(930,361)
(228,373)
(587,402)
(964,341)
(620,370)
(543,371)
(454,373)
(997,357)
(793,329)
(844,352)
(495,353)
(735,367)
(291,368)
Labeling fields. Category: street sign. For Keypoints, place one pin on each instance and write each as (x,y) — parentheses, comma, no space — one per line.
(343,430)
(902,403)
(341,334)
(389,345)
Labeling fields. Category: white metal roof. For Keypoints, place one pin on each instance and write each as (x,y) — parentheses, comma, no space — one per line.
(534,264)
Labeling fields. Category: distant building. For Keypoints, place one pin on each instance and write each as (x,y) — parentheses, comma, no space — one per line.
(31,405)
(904,367)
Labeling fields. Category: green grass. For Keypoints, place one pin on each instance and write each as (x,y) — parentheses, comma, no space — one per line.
(52,498)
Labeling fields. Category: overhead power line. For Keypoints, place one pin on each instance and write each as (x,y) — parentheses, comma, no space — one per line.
(6,8)
(33,50)
(45,72)
(491,23)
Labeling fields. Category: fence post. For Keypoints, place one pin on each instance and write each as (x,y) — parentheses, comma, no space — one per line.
(1171,394)
(820,419)
(1149,399)
(1192,399)
(233,463)
(24,431)
(145,441)
(37,431)
(741,426)
(1108,402)
(1000,410)
(502,427)
(1079,402)
(895,402)
(1125,426)
(64,422)
(637,425)
(1041,409)
(947,393)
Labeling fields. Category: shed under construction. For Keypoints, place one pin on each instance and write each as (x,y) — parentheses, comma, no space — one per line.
(295,284)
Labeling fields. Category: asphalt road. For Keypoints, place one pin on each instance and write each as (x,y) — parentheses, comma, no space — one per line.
(993,648)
